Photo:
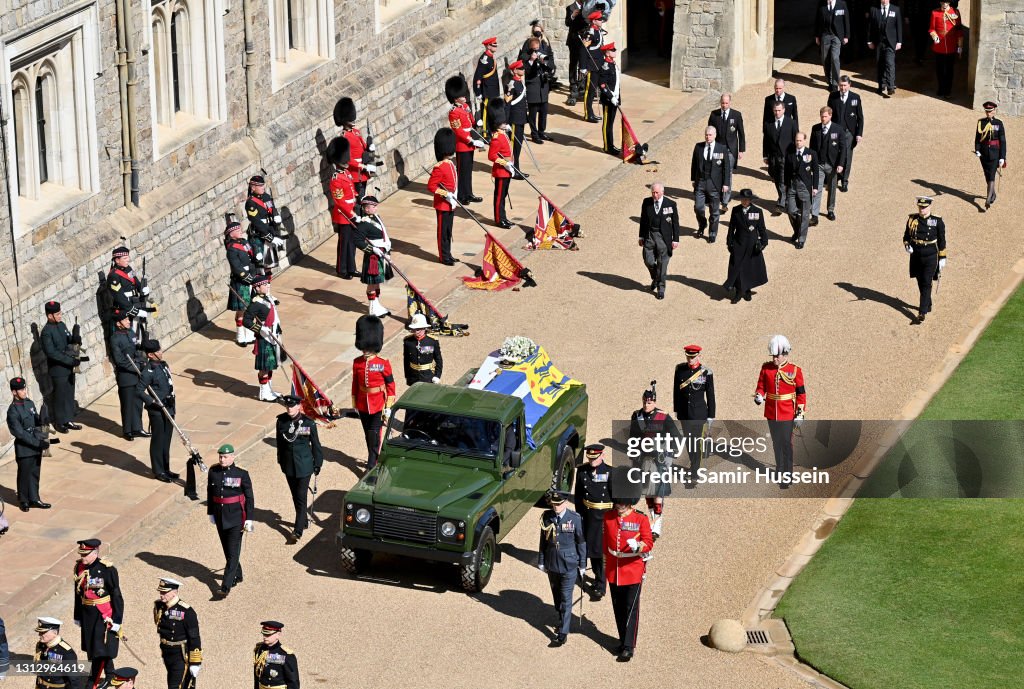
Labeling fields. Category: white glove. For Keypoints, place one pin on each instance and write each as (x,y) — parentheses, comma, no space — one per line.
(145,290)
(542,568)
(1002,162)
(279,243)
(510,167)
(942,263)
(710,421)
(114,626)
(582,571)
(633,544)
(143,314)
(213,519)
(386,413)
(615,101)
(278,220)
(909,249)
(758,399)
(259,256)
(377,251)
(477,143)
(977,153)
(798,420)
(435,379)
(479,123)
(248,525)
(372,169)
(194,669)
(372,148)
(265,332)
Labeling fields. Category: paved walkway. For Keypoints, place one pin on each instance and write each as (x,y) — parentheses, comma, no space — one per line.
(100,484)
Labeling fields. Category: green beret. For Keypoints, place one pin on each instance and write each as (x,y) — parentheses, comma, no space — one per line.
(226,449)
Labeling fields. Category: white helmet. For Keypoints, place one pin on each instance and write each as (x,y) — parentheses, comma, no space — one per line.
(418,322)
(779,345)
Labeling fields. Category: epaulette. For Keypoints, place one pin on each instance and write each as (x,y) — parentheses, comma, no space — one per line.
(184,604)
(106,562)
(256,648)
(708,371)
(937,217)
(64,645)
(287,650)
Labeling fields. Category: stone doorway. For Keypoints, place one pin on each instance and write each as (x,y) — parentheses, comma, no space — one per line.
(648,29)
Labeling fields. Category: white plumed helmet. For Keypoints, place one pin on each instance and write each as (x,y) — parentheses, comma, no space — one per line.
(779,345)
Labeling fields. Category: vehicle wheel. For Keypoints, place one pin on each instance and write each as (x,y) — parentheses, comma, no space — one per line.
(477,573)
(355,562)
(563,478)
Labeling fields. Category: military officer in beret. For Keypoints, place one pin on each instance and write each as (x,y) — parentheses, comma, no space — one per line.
(990,147)
(230,506)
(57,656)
(651,422)
(127,290)
(274,665)
(126,353)
(693,400)
(486,84)
(299,455)
(99,608)
(746,240)
(244,268)
(264,220)
(373,384)
(628,540)
(25,426)
(262,319)
(925,240)
(593,499)
(421,353)
(59,345)
(780,387)
(562,554)
(177,625)
(124,678)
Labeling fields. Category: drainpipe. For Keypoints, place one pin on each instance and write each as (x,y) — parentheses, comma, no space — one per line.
(250,72)
(133,81)
(122,80)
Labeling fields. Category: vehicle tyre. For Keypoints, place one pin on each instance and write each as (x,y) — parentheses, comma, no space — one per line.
(355,562)
(563,478)
(477,572)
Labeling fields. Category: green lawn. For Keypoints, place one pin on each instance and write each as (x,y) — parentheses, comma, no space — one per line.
(927,593)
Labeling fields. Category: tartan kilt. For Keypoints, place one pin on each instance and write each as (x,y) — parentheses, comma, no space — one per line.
(656,465)
(372,274)
(236,304)
(266,355)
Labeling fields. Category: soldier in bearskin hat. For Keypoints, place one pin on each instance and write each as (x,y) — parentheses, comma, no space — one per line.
(500,155)
(442,184)
(460,118)
(373,384)
(262,319)
(372,238)
(343,193)
(243,265)
(359,169)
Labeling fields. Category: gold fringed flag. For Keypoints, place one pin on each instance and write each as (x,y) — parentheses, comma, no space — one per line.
(499,270)
(552,229)
(630,141)
(315,404)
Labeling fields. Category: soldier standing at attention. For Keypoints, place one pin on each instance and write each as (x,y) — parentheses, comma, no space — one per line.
(562,554)
(421,354)
(372,238)
(500,153)
(518,113)
(242,262)
(124,348)
(300,456)
(274,666)
(60,366)
(345,117)
(373,384)
(628,539)
(693,393)
(23,423)
(177,625)
(343,194)
(990,147)
(55,652)
(443,182)
(460,119)
(99,609)
(925,240)
(229,504)
(593,500)
(608,84)
(589,60)
(264,219)
(126,289)
(262,319)
(157,376)
(947,36)
(780,387)
(486,84)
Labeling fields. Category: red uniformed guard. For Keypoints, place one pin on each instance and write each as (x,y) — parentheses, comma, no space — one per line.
(780,386)
(343,192)
(627,543)
(500,155)
(946,31)
(345,117)
(373,385)
(442,184)
(460,118)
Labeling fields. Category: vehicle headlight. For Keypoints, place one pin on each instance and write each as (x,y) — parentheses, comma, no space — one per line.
(448,529)
(363,515)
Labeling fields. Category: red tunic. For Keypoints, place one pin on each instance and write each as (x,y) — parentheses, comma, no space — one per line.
(373,385)
(783,390)
(343,191)
(443,173)
(461,120)
(357,145)
(946,27)
(499,153)
(626,567)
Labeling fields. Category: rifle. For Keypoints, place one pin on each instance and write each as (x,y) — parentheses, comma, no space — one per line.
(77,350)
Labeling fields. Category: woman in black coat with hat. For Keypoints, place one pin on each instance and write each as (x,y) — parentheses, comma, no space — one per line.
(746,240)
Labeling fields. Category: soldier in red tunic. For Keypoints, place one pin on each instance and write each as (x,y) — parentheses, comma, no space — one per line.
(343,192)
(780,387)
(460,118)
(500,155)
(627,544)
(946,31)
(442,184)
(358,169)
(373,384)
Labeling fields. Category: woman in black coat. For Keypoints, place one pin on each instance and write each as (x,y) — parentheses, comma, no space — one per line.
(746,240)
(539,61)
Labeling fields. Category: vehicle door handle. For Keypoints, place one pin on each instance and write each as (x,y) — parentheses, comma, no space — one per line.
(522,473)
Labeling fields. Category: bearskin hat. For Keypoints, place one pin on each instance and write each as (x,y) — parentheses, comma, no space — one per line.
(624,491)
(444,143)
(344,111)
(369,334)
(456,87)
(495,115)
(338,151)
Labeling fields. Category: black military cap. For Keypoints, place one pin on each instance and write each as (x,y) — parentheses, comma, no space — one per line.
(271,627)
(555,497)
(290,400)
(369,198)
(338,151)
(45,624)
(18,383)
(168,584)
(746,194)
(119,252)
(52,307)
(444,143)
(117,314)
(232,226)
(88,545)
(150,346)
(258,280)
(594,450)
(924,201)
(123,675)
(989,105)
(650,395)
(623,490)
(257,179)
(369,334)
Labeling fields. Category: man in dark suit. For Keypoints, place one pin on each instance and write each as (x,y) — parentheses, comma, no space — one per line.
(659,235)
(885,37)
(728,124)
(828,140)
(778,137)
(711,175)
(848,113)
(801,186)
(831,33)
(780,96)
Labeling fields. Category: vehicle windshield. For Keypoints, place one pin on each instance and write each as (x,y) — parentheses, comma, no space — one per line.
(438,431)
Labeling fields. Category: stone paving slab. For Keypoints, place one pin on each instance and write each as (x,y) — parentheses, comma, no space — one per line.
(101,485)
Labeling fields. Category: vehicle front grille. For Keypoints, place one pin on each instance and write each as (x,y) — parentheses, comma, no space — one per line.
(404,524)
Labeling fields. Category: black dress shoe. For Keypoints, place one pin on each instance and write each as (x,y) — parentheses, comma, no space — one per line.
(614,151)
(238,580)
(297,534)
(596,596)
(625,656)
(144,434)
(799,245)
(344,276)
(831,216)
(747,295)
(537,140)
(592,120)
(463,202)
(163,478)
(813,222)
(191,496)
(448,261)
(505,224)
(129,436)
(476,199)
(661,294)
(40,505)
(520,175)
(61,429)
(844,187)
(173,474)
(23,506)
(711,239)
(735,298)
(558,641)
(225,590)
(74,426)
(544,136)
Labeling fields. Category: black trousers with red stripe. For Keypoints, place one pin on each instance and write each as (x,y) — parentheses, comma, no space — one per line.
(608,127)
(346,264)
(464,165)
(444,235)
(626,606)
(500,194)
